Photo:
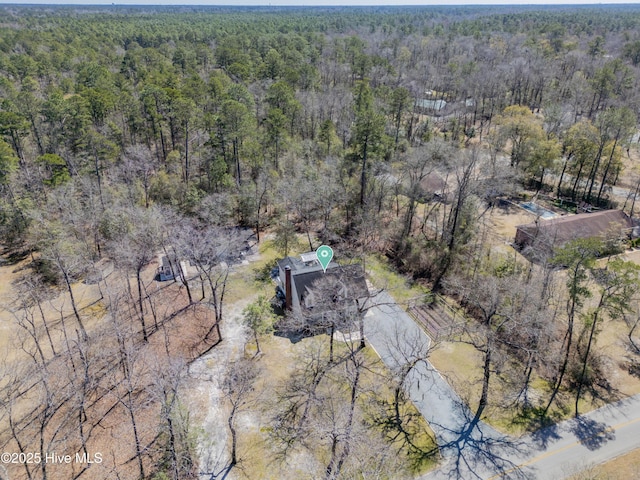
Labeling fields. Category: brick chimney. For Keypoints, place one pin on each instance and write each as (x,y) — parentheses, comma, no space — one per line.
(288,302)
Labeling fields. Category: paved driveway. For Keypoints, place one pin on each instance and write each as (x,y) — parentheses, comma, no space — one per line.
(478,451)
(465,445)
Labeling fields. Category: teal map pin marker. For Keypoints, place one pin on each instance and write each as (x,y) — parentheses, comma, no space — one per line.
(324,254)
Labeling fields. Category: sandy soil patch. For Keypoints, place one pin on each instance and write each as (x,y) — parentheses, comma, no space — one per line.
(208,404)
(8,274)
(631,256)
(57,306)
(178,335)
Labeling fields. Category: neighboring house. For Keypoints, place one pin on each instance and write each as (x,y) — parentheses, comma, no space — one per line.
(433,186)
(542,237)
(340,293)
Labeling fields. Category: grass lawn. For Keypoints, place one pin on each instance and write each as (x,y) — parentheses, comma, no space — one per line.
(253,279)
(461,365)
(277,362)
(624,467)
(382,275)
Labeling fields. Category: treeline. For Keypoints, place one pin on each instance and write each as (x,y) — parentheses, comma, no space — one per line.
(256,118)
(125,132)
(219,99)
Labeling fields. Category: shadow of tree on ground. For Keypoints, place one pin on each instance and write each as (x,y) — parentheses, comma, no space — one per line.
(590,433)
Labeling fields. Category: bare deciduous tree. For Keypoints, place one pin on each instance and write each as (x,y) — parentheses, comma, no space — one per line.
(238,385)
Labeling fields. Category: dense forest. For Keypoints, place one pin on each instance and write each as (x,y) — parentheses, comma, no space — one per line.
(129,131)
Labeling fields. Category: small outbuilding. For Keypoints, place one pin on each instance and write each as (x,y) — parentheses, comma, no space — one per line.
(165,269)
(433,186)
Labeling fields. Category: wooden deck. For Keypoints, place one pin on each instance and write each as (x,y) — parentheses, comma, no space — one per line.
(438,320)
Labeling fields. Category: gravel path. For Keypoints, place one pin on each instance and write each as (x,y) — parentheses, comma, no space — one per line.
(205,373)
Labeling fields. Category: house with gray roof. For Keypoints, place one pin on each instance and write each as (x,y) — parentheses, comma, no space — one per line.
(305,289)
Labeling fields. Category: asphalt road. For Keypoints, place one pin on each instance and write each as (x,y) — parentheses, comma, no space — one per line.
(571,446)
(477,451)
